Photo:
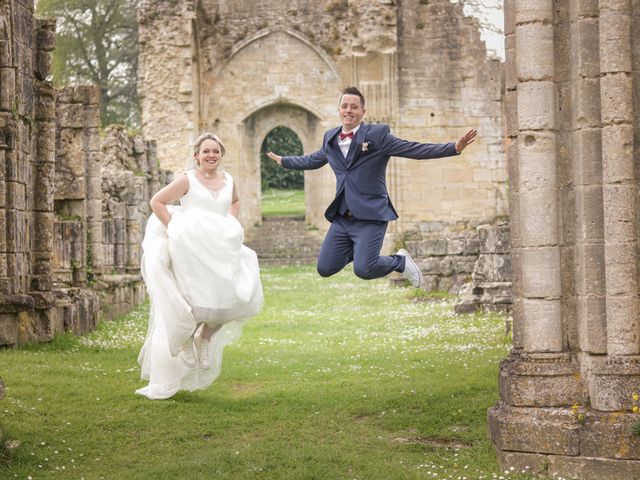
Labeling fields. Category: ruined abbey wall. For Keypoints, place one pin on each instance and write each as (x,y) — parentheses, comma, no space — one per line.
(27,159)
(72,202)
(242,68)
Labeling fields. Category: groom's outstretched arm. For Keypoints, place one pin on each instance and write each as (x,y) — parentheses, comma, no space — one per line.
(396,147)
(306,162)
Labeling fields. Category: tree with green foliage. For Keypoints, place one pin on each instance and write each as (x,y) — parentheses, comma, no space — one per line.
(284,141)
(97,42)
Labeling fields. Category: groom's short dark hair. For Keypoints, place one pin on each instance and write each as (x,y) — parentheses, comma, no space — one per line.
(353,91)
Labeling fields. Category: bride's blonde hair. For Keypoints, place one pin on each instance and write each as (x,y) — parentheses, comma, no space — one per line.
(208,136)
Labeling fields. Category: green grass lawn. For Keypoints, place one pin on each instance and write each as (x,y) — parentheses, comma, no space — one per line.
(276,203)
(337,378)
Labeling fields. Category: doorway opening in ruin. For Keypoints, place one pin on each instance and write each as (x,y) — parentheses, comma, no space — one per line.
(282,189)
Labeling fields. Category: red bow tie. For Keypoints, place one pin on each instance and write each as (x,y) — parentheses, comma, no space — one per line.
(343,135)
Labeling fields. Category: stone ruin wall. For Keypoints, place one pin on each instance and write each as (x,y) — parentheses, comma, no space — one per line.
(573,116)
(27,159)
(242,68)
(72,204)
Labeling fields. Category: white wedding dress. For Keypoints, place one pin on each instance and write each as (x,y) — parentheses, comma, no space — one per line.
(197,270)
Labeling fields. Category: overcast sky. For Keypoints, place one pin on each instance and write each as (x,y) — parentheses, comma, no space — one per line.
(491,16)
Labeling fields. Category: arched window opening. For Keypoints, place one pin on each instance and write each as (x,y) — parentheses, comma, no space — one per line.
(282,189)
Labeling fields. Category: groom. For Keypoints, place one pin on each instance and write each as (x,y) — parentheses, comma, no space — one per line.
(358,154)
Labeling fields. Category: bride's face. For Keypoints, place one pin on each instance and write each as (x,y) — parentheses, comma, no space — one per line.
(209,155)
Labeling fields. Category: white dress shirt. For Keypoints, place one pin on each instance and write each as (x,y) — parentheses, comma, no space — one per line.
(346,143)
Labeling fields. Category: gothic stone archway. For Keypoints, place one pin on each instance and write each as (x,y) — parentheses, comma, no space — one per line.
(246,110)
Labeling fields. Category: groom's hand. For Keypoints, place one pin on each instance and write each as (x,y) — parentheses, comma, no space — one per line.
(275,158)
(465,140)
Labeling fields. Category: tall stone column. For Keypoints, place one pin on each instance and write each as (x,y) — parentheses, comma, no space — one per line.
(567,388)
(619,178)
(537,178)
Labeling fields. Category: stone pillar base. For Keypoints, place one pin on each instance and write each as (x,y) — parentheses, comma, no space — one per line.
(615,379)
(540,379)
(555,442)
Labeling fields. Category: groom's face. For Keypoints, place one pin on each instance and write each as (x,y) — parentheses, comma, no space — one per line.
(351,111)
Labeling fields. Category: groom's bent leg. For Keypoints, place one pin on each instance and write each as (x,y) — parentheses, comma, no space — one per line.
(368,236)
(337,249)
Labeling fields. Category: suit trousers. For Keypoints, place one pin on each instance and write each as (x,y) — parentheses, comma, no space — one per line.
(351,239)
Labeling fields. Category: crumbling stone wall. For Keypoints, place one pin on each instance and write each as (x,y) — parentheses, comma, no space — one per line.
(490,286)
(573,106)
(130,176)
(67,198)
(77,199)
(446,255)
(27,145)
(242,68)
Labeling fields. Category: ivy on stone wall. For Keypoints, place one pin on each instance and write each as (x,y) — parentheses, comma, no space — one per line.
(282,141)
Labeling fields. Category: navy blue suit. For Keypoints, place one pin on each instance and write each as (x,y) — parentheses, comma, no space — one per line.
(361,209)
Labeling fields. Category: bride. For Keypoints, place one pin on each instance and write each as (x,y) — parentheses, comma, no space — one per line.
(202,281)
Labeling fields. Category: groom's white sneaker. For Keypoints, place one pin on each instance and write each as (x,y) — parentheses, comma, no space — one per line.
(411,270)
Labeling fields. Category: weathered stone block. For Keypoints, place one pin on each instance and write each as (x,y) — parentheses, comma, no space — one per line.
(8,329)
(592,328)
(8,90)
(617,154)
(511,114)
(615,379)
(538,218)
(588,210)
(494,239)
(615,36)
(17,231)
(533,11)
(42,66)
(586,33)
(535,44)
(608,435)
(455,246)
(463,264)
(542,324)
(534,430)
(616,90)
(588,468)
(536,105)
(619,213)
(16,195)
(537,161)
(492,268)
(590,269)
(43,195)
(545,380)
(46,34)
(70,115)
(46,106)
(584,8)
(585,96)
(587,145)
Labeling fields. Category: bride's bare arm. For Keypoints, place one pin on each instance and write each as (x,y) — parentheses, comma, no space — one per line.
(167,195)
(235,203)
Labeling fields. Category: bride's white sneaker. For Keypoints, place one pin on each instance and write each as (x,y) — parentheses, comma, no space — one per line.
(187,354)
(411,270)
(201,346)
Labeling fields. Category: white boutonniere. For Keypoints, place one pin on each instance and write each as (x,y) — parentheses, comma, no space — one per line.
(365,146)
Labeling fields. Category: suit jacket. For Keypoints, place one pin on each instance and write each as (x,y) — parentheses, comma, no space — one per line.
(360,177)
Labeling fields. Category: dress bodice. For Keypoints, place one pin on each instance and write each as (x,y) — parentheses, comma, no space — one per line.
(199,196)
